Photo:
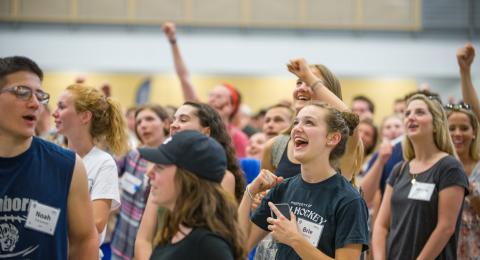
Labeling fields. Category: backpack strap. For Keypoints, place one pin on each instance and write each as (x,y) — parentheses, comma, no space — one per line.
(278,148)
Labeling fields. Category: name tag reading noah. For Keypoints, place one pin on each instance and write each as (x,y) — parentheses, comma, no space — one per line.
(42,218)
(311,231)
(421,191)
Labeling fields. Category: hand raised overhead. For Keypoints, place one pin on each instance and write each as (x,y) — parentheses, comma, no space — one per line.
(300,68)
(465,56)
(170,31)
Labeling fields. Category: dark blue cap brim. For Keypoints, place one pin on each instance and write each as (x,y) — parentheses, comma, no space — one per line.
(155,155)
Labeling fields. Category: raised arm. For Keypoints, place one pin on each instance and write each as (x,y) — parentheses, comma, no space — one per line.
(354,149)
(189,93)
(82,234)
(465,57)
(301,69)
(371,182)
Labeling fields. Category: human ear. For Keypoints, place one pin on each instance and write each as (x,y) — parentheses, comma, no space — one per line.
(86,117)
(333,138)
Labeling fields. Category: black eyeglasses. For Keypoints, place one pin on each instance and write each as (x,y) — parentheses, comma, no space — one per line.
(457,107)
(25,93)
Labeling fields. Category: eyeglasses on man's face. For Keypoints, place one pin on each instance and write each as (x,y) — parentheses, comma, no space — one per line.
(25,93)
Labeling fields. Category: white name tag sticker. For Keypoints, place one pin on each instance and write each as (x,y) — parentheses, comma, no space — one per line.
(310,231)
(42,218)
(130,183)
(421,191)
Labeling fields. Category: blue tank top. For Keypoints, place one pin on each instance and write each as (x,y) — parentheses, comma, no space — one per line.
(41,175)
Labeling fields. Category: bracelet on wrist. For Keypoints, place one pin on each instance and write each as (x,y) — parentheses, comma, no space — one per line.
(247,190)
(173,41)
(315,84)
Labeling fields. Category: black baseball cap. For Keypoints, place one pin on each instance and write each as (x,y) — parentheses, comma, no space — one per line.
(192,151)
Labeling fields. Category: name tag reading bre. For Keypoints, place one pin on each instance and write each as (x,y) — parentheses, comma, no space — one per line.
(310,231)
(421,191)
(42,218)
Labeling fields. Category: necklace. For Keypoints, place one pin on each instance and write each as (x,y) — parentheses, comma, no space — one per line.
(414,180)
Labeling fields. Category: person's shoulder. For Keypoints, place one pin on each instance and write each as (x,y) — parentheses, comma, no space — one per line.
(103,156)
(52,150)
(448,162)
(345,190)
(206,240)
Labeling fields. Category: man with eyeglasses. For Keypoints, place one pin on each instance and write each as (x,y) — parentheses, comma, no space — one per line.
(45,210)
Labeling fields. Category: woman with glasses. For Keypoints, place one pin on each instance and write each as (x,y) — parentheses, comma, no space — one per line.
(464,130)
(420,213)
(86,117)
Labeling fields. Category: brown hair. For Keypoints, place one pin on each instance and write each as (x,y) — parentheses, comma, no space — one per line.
(205,205)
(336,121)
(107,118)
(210,118)
(369,122)
(159,111)
(329,79)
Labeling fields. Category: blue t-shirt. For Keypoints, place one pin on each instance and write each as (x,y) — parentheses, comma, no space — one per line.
(396,157)
(251,168)
(332,213)
(39,176)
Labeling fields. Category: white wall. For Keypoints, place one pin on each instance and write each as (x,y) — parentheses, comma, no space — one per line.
(261,52)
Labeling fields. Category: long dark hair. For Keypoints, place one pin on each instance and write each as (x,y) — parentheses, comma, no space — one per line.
(205,205)
(210,118)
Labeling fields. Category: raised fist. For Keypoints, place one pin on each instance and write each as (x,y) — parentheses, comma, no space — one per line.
(264,181)
(169,30)
(385,151)
(300,68)
(465,56)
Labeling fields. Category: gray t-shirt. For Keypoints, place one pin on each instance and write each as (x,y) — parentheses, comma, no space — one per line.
(412,221)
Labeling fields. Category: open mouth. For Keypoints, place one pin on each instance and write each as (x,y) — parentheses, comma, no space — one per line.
(30,118)
(412,126)
(272,133)
(303,98)
(300,142)
(457,143)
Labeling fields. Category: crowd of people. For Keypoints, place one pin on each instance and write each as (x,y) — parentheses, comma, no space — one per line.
(309,178)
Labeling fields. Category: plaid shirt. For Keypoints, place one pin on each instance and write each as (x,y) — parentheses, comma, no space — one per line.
(131,211)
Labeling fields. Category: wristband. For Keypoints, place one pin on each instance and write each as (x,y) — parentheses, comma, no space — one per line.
(315,84)
(247,190)
(173,41)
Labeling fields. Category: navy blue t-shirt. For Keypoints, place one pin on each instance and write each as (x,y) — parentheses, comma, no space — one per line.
(332,212)
(42,174)
(396,157)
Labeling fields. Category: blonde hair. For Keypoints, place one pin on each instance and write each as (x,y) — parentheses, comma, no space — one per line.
(107,118)
(441,135)
(474,150)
